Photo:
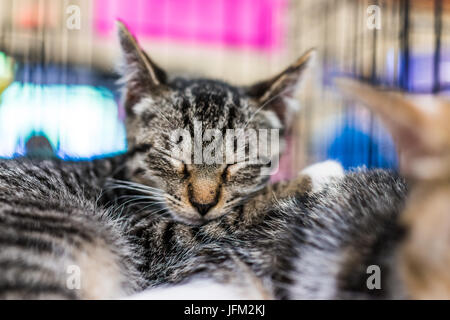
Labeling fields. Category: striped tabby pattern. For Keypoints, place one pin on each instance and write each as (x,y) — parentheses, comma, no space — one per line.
(111,227)
(50,224)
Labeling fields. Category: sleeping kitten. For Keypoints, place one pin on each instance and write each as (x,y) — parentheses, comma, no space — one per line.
(200,220)
(196,192)
(356,238)
(107,228)
(192,218)
(150,219)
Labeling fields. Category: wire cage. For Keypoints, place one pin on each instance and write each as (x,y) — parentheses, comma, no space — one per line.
(406,51)
(65,53)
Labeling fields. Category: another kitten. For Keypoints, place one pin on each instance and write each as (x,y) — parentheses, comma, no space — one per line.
(341,236)
(420,129)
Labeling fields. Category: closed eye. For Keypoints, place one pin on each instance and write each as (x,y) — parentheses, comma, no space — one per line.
(180,167)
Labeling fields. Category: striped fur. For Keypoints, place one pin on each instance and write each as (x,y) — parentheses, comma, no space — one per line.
(49,222)
(311,245)
(135,221)
(59,218)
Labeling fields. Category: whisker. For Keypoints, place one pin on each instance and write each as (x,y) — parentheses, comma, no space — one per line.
(147,197)
(151,212)
(131,183)
(127,187)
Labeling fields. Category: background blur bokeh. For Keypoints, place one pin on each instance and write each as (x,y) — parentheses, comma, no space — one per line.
(57,64)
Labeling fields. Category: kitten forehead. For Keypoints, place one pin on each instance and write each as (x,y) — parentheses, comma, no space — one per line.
(211,93)
(213,103)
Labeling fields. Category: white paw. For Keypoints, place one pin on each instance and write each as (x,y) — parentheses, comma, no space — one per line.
(322,173)
(199,290)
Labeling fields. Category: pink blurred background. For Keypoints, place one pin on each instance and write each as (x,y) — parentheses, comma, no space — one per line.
(235,23)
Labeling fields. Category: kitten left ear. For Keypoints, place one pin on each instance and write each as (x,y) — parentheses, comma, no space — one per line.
(274,94)
(140,73)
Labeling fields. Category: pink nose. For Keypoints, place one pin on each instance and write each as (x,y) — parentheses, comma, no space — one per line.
(203,195)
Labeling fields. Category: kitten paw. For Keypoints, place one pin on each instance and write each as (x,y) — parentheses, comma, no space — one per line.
(200,290)
(322,173)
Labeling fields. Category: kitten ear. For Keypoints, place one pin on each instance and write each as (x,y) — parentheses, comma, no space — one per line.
(140,74)
(410,126)
(277,93)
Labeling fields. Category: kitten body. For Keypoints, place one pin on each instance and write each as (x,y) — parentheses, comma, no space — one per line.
(311,245)
(346,238)
(241,221)
(315,245)
(55,241)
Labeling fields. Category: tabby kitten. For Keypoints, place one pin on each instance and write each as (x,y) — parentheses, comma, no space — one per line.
(110,227)
(157,105)
(148,219)
(219,221)
(187,218)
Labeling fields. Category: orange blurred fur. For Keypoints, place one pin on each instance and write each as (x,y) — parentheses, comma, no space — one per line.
(420,128)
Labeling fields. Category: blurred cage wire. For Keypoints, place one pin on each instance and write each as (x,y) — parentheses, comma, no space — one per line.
(408,53)
(64,95)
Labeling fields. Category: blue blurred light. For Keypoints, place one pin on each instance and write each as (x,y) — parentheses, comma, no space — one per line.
(80,121)
(350,147)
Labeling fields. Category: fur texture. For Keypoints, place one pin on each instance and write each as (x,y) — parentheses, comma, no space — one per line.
(115,219)
(50,224)
(195,192)
(148,220)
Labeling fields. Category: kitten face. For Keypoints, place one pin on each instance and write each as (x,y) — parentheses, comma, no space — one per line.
(195,190)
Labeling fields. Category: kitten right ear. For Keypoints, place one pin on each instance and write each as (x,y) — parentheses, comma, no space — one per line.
(275,93)
(140,74)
